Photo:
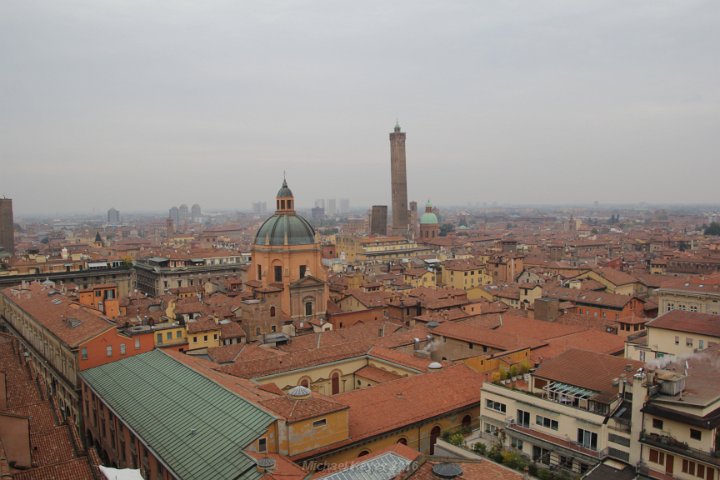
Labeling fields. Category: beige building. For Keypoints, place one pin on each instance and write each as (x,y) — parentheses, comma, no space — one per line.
(676,333)
(692,294)
(568,414)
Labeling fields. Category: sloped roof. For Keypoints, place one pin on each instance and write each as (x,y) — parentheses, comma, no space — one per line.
(176,410)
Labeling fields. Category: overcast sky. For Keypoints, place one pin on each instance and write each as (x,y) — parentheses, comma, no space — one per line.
(142,105)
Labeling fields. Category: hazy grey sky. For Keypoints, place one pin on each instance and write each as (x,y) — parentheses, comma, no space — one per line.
(143,105)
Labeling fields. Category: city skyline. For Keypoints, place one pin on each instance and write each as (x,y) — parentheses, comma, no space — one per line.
(523,103)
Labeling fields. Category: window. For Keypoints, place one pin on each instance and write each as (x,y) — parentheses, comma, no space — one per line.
(137,344)
(273,328)
(108,350)
(695,434)
(159,338)
(523,418)
(677,340)
(642,355)
(566,462)
(205,338)
(259,272)
(546,422)
(168,335)
(194,339)
(319,423)
(303,269)
(83,354)
(278,273)
(516,443)
(308,308)
(657,423)
(122,349)
(657,456)
(272,311)
(497,406)
(688,342)
(701,344)
(587,439)
(262,445)
(178,334)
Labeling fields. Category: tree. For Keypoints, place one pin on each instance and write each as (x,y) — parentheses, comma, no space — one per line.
(446,228)
(713,229)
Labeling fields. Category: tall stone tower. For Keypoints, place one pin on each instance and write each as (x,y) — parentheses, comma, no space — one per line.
(7,241)
(399,182)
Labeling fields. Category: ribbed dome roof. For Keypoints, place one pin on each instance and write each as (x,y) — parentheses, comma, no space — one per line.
(298,230)
(284,190)
(428,218)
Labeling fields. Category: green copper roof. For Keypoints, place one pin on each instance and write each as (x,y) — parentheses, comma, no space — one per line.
(193,425)
(297,229)
(284,190)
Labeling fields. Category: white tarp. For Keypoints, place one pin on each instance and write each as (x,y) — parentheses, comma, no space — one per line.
(120,473)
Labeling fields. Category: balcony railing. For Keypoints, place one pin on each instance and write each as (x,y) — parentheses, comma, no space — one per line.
(667,442)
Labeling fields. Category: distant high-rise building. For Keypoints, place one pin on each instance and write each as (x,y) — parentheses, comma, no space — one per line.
(259,208)
(174,216)
(398,176)
(331,207)
(378,220)
(318,213)
(320,203)
(113,217)
(195,213)
(184,213)
(7,228)
(344,205)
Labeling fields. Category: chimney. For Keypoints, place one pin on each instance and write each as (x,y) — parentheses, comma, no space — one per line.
(547,309)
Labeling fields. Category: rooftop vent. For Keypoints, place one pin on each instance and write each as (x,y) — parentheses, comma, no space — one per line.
(447,470)
(265,465)
(434,366)
(432,324)
(299,392)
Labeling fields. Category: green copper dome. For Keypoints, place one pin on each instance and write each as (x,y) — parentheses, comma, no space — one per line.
(428,218)
(273,231)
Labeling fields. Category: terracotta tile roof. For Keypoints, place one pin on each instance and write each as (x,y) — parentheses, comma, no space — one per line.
(591,340)
(52,450)
(602,299)
(395,404)
(231,330)
(202,325)
(691,322)
(614,276)
(376,374)
(72,323)
(400,358)
(591,370)
(295,360)
(294,410)
(485,470)
(284,468)
(470,332)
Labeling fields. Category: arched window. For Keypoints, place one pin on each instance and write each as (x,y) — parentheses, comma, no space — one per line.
(305,382)
(466,421)
(402,440)
(335,380)
(272,311)
(434,434)
(363,453)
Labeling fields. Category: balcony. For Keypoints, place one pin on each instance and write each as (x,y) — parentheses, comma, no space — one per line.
(671,444)
(551,442)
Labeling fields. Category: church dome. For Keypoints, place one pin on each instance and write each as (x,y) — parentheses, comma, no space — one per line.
(273,231)
(285,223)
(428,218)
